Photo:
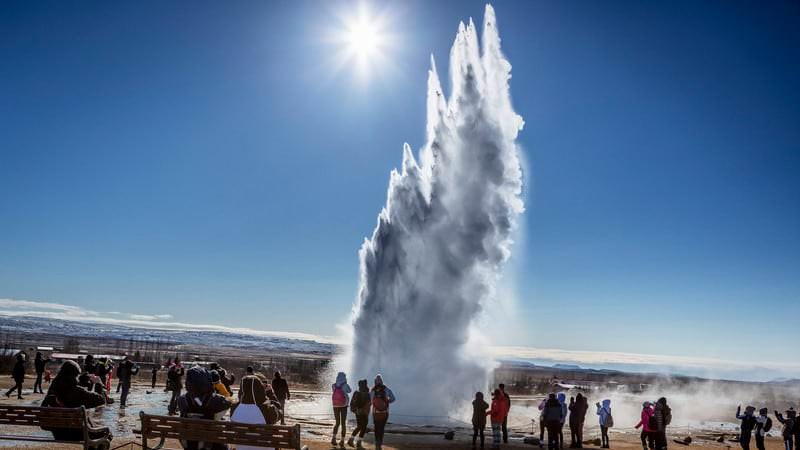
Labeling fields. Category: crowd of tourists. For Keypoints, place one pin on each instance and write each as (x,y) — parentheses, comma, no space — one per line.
(759,425)
(208,393)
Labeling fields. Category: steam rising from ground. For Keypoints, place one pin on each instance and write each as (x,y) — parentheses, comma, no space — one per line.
(433,261)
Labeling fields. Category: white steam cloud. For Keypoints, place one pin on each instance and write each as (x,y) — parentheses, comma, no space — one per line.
(435,257)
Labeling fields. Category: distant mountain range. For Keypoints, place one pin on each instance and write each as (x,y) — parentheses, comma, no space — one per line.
(77,329)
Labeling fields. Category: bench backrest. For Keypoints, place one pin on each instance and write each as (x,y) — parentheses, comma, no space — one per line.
(169,427)
(42,417)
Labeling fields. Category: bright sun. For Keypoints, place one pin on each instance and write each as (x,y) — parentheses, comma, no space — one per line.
(363,38)
(363,41)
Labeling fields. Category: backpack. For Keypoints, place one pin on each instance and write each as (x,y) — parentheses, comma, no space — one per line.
(767,425)
(338,397)
(380,403)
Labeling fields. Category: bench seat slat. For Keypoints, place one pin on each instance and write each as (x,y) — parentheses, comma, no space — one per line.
(168,427)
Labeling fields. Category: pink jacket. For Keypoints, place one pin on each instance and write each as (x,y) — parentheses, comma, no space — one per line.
(646,414)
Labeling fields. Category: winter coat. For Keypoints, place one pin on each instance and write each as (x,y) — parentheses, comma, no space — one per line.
(39,364)
(64,392)
(748,421)
(788,425)
(175,377)
(479,407)
(508,401)
(281,388)
(381,389)
(220,389)
(663,415)
(552,411)
(126,370)
(18,372)
(577,410)
(763,424)
(341,384)
(499,409)
(603,411)
(647,413)
(562,400)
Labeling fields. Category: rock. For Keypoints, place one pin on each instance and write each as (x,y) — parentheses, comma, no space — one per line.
(531,440)
(450,435)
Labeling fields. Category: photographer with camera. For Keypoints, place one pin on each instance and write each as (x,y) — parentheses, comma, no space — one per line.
(126,370)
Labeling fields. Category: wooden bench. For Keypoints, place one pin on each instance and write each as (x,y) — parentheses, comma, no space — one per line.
(34,416)
(171,427)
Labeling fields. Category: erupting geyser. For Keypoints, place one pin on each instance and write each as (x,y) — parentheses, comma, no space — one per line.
(432,263)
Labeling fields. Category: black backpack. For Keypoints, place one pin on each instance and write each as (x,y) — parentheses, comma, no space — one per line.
(652,423)
(767,425)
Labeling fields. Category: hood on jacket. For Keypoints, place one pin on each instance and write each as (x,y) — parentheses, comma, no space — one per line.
(341,378)
(378,380)
(69,372)
(646,405)
(198,381)
(606,403)
(362,386)
(479,396)
(763,411)
(562,398)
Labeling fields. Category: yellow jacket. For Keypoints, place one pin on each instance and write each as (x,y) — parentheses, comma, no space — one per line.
(222,390)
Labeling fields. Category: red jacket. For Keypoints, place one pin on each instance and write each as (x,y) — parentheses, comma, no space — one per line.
(646,413)
(499,409)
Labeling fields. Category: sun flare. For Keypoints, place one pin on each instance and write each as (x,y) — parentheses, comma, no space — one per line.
(363,41)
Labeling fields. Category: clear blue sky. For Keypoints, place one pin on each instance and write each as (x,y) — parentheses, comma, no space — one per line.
(209,160)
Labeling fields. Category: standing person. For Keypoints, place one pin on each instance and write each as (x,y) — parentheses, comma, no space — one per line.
(552,421)
(281,389)
(125,371)
(571,408)
(542,404)
(154,372)
(381,397)
(497,412)
(577,416)
(789,423)
(253,395)
(360,406)
(175,384)
(508,404)
(748,424)
(562,399)
(763,425)
(39,364)
(18,374)
(648,440)
(340,398)
(662,418)
(604,417)
(479,407)
(65,392)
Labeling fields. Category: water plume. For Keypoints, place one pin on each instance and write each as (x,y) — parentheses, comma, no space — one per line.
(433,261)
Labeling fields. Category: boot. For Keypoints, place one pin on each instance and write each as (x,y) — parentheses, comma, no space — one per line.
(359,446)
(341,443)
(350,442)
(333,441)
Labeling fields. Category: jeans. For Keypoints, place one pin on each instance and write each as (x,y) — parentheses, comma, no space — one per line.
(37,385)
(340,414)
(282,401)
(173,402)
(496,430)
(760,442)
(552,434)
(787,442)
(477,430)
(17,387)
(379,420)
(604,436)
(648,440)
(362,420)
(661,439)
(126,388)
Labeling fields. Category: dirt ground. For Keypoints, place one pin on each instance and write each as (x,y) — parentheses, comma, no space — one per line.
(316,430)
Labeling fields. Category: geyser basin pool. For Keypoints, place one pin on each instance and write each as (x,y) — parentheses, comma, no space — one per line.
(442,239)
